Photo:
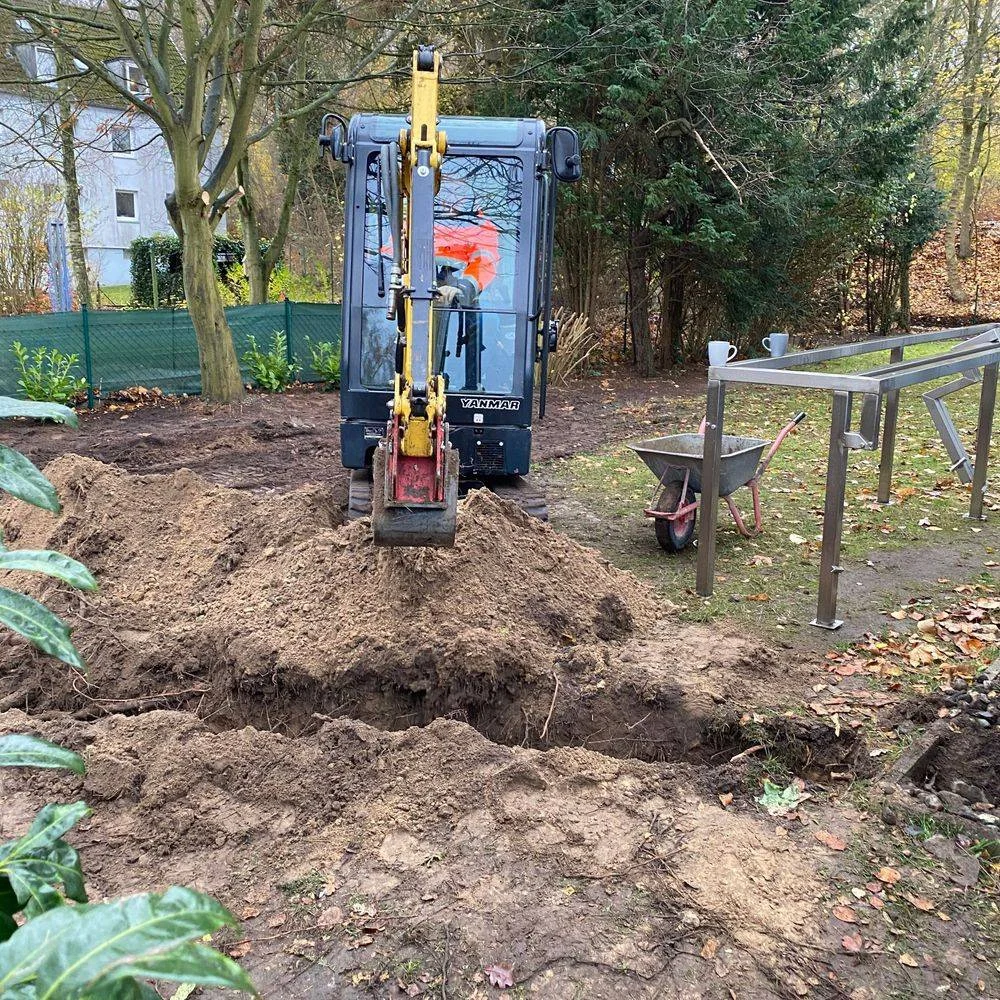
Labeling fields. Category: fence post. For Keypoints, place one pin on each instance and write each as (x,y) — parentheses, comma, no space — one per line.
(289,355)
(88,364)
(154,278)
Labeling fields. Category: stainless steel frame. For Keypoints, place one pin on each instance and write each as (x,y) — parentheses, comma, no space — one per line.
(980,350)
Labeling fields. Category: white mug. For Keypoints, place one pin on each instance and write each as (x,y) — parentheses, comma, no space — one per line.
(720,352)
(776,344)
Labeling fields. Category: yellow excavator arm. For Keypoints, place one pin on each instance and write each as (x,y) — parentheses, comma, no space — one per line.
(415,471)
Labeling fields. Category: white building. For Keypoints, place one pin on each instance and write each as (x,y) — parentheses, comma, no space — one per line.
(123,166)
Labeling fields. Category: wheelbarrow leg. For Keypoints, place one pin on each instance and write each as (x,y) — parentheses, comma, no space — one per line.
(711,462)
(833,514)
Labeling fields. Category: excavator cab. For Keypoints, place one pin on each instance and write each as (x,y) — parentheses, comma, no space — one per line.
(483,242)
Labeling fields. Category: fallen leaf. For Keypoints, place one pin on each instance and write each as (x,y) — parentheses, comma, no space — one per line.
(796,540)
(845,914)
(710,948)
(831,840)
(278,920)
(239,949)
(249,912)
(501,976)
(928,626)
(758,597)
(920,903)
(876,903)
(727,799)
(907,959)
(852,943)
(330,917)
(888,875)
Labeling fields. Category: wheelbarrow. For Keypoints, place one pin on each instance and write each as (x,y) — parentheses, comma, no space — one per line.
(676,461)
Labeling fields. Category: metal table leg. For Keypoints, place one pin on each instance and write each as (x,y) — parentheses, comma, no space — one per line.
(833,514)
(889,435)
(984,432)
(714,415)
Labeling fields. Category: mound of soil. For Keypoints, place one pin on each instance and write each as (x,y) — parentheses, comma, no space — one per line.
(433,853)
(266,609)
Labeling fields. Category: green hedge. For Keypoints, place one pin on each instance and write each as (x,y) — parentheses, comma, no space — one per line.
(166,251)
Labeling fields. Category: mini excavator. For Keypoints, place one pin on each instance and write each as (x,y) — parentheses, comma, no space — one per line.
(449,226)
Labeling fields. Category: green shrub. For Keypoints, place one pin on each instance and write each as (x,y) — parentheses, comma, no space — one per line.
(326,362)
(47,375)
(227,255)
(286,284)
(273,369)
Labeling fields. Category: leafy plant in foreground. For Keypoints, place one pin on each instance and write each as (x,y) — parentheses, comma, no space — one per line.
(20,478)
(47,375)
(326,362)
(93,950)
(271,369)
(50,950)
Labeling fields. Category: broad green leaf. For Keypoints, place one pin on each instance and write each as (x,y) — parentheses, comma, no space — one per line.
(51,563)
(35,878)
(66,953)
(24,750)
(38,625)
(10,407)
(191,963)
(124,989)
(46,829)
(36,893)
(20,478)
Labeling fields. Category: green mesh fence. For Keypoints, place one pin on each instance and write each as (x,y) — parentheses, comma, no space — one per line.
(156,348)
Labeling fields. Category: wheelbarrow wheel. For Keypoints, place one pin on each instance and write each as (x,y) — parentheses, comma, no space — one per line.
(675,535)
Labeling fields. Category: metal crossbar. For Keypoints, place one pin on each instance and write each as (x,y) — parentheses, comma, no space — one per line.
(879,385)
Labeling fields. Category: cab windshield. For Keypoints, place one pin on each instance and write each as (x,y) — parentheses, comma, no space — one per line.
(477,234)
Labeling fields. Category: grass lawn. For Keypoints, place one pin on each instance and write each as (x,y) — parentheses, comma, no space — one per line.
(117,295)
(772,580)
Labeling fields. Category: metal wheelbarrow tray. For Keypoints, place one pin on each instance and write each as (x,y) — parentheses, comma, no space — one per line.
(670,457)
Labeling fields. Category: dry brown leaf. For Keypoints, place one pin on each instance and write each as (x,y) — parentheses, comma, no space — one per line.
(852,943)
(907,959)
(920,903)
(876,903)
(239,949)
(831,840)
(710,948)
(726,799)
(758,597)
(845,914)
(278,920)
(888,875)
(501,976)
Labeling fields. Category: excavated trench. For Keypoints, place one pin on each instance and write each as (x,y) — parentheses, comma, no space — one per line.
(268,612)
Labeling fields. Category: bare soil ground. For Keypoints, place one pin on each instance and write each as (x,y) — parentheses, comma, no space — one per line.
(400,769)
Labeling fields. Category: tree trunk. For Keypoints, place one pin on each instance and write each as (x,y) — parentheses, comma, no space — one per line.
(637,258)
(221,381)
(253,260)
(904,291)
(972,182)
(71,194)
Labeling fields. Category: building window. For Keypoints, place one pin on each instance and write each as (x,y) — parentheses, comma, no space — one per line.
(134,79)
(121,140)
(125,206)
(45,65)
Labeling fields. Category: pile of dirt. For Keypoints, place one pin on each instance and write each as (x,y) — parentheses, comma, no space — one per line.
(267,608)
(435,853)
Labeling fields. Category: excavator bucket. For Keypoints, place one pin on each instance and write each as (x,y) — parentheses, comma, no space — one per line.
(396,523)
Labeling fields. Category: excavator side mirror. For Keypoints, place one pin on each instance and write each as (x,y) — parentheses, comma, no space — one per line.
(567,164)
(333,139)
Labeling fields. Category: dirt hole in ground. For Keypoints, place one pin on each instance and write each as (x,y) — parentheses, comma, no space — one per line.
(269,611)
